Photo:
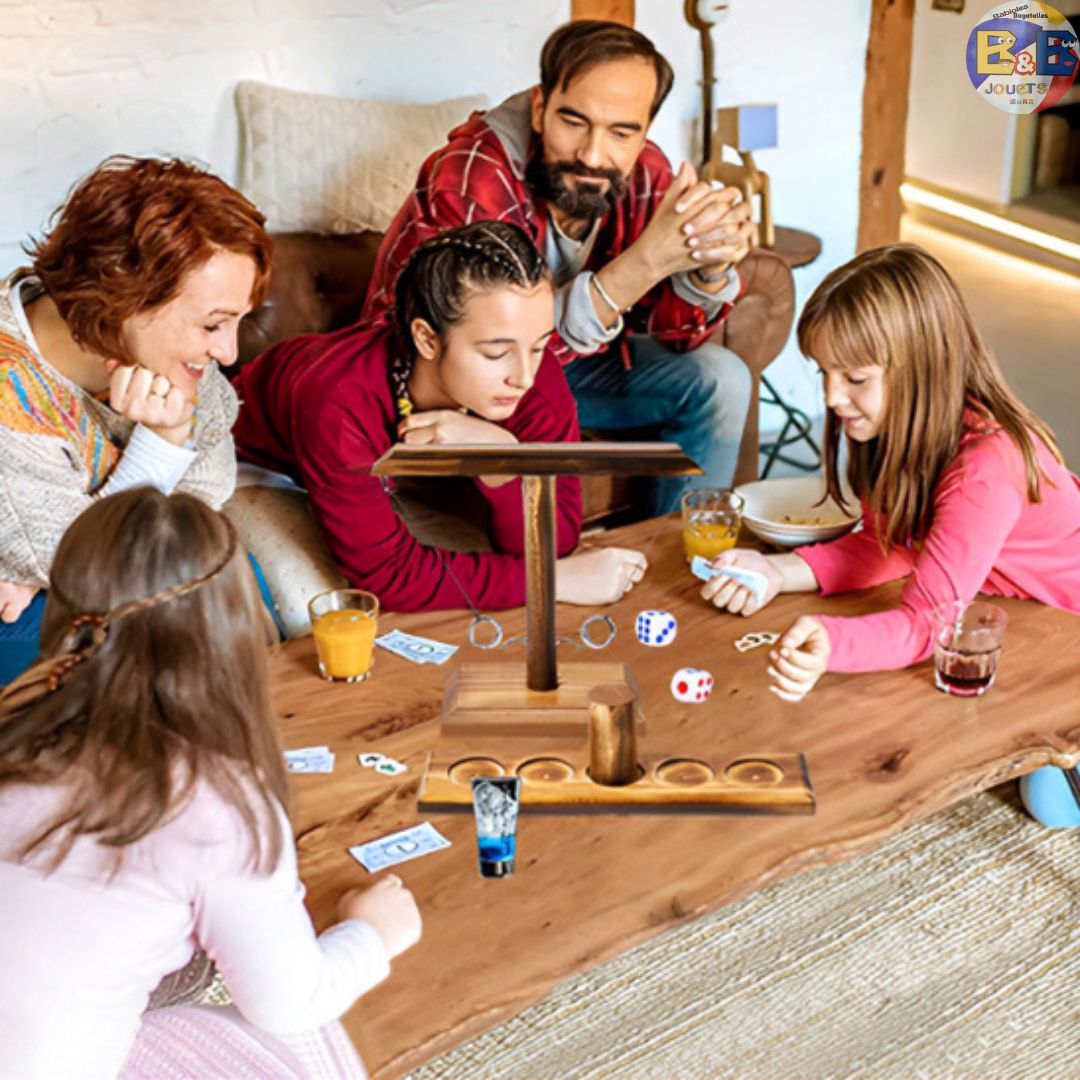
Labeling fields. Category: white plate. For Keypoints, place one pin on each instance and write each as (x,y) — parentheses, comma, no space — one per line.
(772,504)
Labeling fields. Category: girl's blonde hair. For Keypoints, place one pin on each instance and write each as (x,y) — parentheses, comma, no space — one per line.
(897,307)
(153,676)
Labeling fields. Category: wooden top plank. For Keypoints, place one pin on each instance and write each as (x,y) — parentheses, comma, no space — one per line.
(536,459)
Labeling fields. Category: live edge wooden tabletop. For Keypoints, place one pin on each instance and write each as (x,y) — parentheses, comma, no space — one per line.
(882,749)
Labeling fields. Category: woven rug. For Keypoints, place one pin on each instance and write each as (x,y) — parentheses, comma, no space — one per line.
(951,952)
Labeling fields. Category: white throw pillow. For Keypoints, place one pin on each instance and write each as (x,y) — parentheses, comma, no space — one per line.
(319,163)
(278,527)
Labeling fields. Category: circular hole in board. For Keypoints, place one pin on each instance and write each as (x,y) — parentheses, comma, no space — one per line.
(640,774)
(685,772)
(462,772)
(551,770)
(754,771)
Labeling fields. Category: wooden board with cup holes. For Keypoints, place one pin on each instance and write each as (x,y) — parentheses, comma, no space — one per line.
(555,780)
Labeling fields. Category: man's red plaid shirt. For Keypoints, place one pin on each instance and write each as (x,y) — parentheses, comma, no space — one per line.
(472,178)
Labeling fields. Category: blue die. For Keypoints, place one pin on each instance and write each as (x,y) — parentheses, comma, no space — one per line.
(655,628)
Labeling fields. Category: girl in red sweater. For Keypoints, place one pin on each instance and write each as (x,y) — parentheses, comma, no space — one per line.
(463,364)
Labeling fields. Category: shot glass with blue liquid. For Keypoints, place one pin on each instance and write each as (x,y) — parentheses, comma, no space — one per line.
(495,804)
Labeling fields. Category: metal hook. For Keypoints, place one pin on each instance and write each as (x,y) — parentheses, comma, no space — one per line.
(586,638)
(495,642)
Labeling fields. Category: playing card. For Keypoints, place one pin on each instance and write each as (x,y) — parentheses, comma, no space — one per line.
(399,847)
(754,580)
(310,759)
(419,650)
(389,767)
(369,761)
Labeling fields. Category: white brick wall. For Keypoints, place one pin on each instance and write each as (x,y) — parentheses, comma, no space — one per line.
(807,58)
(85,78)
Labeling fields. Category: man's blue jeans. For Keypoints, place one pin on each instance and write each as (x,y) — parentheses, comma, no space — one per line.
(697,399)
(20,640)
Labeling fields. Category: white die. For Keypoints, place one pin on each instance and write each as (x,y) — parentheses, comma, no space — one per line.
(691,684)
(655,628)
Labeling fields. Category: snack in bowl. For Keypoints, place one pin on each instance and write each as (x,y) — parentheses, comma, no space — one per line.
(789,511)
(816,519)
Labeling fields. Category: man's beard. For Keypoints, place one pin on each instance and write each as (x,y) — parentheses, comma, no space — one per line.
(549,181)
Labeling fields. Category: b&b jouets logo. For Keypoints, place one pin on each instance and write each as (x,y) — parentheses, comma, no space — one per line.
(1022,56)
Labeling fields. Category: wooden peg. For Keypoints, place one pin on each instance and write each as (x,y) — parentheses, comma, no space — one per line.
(613,758)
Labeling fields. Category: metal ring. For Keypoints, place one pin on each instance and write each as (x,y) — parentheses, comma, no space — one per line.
(495,642)
(588,641)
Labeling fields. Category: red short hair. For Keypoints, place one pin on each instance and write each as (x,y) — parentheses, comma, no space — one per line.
(129,234)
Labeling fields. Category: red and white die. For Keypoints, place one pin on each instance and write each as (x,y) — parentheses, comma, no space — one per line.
(691,684)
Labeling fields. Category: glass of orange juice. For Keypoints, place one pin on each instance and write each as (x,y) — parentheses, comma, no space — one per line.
(711,520)
(343,622)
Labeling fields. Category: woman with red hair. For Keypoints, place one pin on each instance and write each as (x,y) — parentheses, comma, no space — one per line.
(110,346)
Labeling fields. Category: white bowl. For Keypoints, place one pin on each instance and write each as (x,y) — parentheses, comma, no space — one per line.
(785,511)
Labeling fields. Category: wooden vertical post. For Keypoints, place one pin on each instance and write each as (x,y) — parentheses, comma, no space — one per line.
(620,11)
(540,666)
(885,108)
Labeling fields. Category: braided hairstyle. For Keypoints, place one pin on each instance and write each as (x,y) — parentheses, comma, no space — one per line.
(154,678)
(441,274)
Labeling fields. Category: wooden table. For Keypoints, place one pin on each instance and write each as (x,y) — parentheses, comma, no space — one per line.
(883,750)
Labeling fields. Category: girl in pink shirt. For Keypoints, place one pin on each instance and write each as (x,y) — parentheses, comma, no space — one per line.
(142,789)
(963,489)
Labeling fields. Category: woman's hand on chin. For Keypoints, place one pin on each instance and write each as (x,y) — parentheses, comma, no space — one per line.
(151,400)
(450,426)
(598,576)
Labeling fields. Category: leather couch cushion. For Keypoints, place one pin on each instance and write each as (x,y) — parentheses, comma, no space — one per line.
(318,283)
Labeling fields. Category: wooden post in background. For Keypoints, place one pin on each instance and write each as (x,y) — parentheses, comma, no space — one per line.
(885,108)
(620,11)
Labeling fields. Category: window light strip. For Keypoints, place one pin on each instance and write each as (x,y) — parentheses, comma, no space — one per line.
(986,220)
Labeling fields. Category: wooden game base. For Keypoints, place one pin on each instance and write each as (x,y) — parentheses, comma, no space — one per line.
(492,699)
(555,780)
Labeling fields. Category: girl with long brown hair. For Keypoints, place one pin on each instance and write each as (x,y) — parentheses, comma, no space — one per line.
(142,792)
(962,488)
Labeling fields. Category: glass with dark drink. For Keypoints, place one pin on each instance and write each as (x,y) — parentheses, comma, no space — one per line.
(967,644)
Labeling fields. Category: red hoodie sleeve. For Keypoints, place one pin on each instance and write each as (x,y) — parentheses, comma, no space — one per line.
(547,413)
(462,183)
(368,540)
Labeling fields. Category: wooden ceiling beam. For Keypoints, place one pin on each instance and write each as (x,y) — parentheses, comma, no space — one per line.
(620,11)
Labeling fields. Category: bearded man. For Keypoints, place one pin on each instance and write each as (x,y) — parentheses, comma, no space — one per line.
(644,260)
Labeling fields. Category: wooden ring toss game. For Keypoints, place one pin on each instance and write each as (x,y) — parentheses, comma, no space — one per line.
(575,741)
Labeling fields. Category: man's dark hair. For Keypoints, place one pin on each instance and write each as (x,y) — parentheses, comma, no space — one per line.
(578,46)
